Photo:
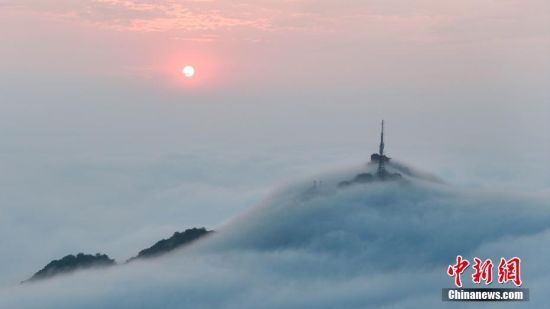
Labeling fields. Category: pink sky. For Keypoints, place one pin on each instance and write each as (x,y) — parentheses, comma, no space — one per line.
(265,43)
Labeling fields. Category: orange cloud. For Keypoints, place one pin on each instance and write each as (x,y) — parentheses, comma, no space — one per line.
(131,15)
(424,21)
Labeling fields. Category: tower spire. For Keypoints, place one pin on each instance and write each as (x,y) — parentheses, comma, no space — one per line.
(381,169)
(381,152)
(381,174)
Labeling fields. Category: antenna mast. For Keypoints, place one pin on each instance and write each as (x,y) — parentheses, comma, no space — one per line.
(381,152)
(381,170)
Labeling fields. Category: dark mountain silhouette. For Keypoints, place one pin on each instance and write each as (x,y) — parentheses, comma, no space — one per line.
(72,263)
(179,239)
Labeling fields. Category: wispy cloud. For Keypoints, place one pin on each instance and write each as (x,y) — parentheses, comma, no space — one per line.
(427,20)
(164,16)
(141,16)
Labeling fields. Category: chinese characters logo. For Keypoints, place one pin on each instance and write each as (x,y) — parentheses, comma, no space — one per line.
(508,270)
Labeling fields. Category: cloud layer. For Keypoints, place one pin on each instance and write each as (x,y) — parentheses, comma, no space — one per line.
(384,245)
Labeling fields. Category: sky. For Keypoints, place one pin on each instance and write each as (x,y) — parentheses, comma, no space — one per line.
(463,78)
(106,147)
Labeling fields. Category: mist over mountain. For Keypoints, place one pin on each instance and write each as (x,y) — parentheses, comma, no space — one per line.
(71,263)
(178,240)
(378,245)
(81,261)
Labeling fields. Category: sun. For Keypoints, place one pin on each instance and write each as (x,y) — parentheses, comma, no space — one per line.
(188,71)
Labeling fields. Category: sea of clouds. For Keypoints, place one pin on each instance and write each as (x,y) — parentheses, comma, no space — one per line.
(381,245)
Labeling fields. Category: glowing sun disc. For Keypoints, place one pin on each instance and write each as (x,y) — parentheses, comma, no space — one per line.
(188,71)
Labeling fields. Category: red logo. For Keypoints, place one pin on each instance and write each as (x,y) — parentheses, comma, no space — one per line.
(508,270)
